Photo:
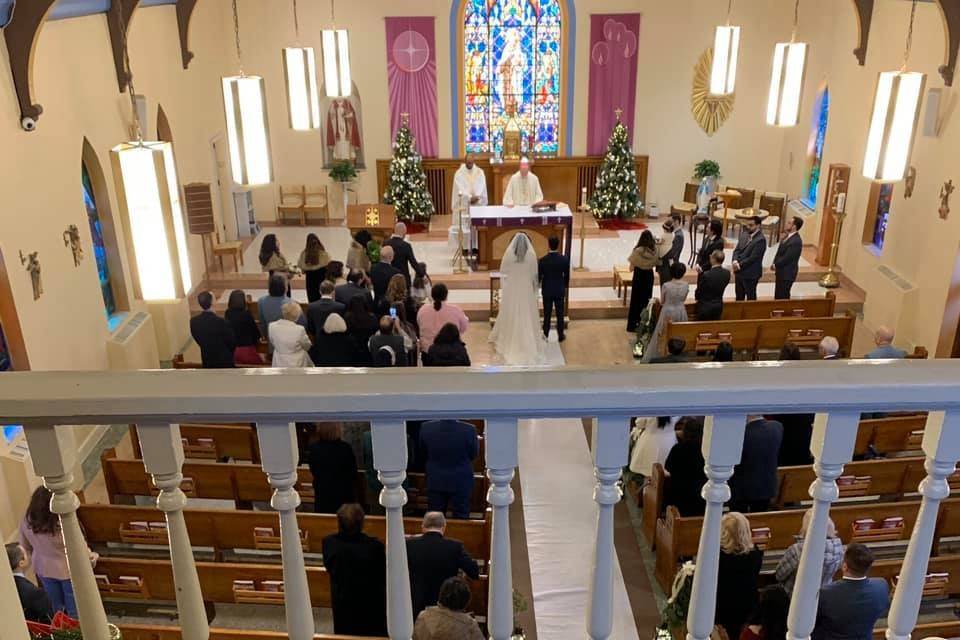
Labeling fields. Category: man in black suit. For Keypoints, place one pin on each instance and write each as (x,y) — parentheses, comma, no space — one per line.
(35,603)
(554,274)
(432,558)
(672,226)
(344,293)
(748,259)
(213,335)
(448,448)
(850,607)
(710,287)
(754,481)
(714,242)
(786,264)
(676,348)
(403,258)
(318,311)
(381,273)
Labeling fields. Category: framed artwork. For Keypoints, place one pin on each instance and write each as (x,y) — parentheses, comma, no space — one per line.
(342,130)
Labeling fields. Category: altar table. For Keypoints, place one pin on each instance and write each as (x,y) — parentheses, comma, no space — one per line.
(495,226)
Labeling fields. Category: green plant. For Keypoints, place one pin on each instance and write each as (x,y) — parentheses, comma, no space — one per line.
(674,614)
(706,169)
(519,606)
(343,171)
(373,251)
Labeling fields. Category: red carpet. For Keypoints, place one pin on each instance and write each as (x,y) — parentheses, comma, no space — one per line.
(417,227)
(620,224)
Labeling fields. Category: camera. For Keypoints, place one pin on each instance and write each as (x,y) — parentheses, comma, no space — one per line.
(28,124)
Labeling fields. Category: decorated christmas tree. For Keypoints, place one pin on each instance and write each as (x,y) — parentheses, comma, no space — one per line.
(616,193)
(407,183)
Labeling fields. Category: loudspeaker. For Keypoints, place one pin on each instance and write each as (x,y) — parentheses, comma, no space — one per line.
(931,119)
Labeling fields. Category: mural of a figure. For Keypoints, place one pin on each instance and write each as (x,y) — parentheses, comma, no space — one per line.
(343,137)
(513,63)
(71,238)
(32,264)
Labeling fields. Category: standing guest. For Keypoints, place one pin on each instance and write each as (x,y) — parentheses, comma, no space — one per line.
(797,427)
(357,258)
(213,335)
(361,325)
(786,572)
(449,448)
(431,318)
(381,273)
(850,607)
(448,620)
(409,332)
(684,465)
(673,308)
(786,264)
(676,352)
(333,347)
(653,439)
(883,338)
(334,469)
(334,273)
(754,481)
(724,352)
(354,286)
(714,242)
(670,248)
(432,559)
(313,262)
(357,565)
(274,262)
(396,295)
(270,306)
(829,348)
(643,259)
(737,573)
(245,329)
(420,287)
(769,619)
(403,258)
(386,346)
(34,602)
(748,259)
(318,310)
(448,349)
(710,288)
(289,339)
(554,275)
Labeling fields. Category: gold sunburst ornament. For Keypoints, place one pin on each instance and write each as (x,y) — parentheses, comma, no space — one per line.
(710,111)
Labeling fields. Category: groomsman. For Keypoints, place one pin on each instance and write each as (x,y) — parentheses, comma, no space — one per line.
(786,264)
(748,259)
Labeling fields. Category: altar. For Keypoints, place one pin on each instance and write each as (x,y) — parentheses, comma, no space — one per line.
(494,228)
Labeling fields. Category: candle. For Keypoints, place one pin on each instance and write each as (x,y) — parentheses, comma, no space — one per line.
(583,197)
(841,202)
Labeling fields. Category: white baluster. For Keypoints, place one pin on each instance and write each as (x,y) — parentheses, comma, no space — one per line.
(279,457)
(10,610)
(163,459)
(722,446)
(54,455)
(611,437)
(942,448)
(390,459)
(501,459)
(832,447)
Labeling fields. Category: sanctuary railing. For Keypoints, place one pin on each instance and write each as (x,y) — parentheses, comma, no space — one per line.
(49,404)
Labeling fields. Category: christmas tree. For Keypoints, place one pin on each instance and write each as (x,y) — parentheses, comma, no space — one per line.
(616,193)
(407,183)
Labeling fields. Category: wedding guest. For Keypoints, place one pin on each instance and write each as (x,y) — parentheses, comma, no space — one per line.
(334,469)
(34,602)
(653,439)
(313,262)
(245,329)
(724,352)
(643,260)
(711,284)
(786,572)
(790,351)
(673,301)
(334,273)
(737,574)
(684,465)
(361,325)
(431,318)
(711,244)
(333,346)
(447,350)
(357,258)
(433,558)
(270,306)
(397,295)
(449,448)
(403,258)
(851,606)
(676,352)
(769,619)
(883,338)
(274,262)
(357,565)
(213,335)
(448,620)
(355,285)
(386,346)
(829,348)
(382,272)
(754,481)
(318,310)
(291,345)
(421,285)
(411,341)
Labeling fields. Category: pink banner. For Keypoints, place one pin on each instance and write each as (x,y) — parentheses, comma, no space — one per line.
(412,77)
(613,75)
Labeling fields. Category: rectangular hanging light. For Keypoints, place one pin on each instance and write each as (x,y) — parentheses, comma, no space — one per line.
(896,111)
(248,132)
(786,83)
(336,63)
(303,97)
(726,48)
(149,196)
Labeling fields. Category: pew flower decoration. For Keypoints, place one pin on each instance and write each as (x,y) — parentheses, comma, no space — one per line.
(616,194)
(63,627)
(674,614)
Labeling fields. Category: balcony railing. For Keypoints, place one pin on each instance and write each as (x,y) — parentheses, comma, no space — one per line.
(49,403)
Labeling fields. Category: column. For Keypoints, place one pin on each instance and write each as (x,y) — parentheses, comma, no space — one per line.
(390,460)
(832,447)
(163,459)
(722,446)
(942,451)
(611,441)
(10,610)
(501,460)
(53,452)
(279,457)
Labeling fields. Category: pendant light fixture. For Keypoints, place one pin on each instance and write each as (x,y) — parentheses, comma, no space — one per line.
(726,48)
(300,72)
(148,192)
(248,133)
(893,125)
(336,60)
(786,81)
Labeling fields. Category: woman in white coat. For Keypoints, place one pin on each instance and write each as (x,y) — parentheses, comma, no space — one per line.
(289,339)
(652,440)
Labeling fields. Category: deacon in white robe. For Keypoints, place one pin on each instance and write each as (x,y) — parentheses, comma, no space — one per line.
(523,188)
(470,183)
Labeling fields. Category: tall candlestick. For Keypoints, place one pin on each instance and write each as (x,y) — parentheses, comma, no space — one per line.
(584,209)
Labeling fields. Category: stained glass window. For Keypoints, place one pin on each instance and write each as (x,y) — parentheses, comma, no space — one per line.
(5,363)
(818,134)
(882,215)
(512,64)
(99,249)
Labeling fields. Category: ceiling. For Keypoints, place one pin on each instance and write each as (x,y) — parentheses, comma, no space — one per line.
(73,8)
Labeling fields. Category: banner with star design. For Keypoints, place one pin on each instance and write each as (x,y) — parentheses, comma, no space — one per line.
(412,79)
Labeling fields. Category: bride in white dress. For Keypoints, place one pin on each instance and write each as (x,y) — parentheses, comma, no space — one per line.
(517,334)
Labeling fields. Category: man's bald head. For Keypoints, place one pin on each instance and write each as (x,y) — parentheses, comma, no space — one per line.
(434,521)
(883,336)
(400,229)
(524,166)
(386,254)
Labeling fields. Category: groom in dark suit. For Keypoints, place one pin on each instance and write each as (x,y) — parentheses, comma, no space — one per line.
(554,273)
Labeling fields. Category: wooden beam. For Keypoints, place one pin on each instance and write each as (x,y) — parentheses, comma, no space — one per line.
(118,22)
(950,10)
(184,13)
(864,10)
(10,321)
(20,35)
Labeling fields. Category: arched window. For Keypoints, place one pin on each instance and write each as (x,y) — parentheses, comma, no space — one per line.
(513,62)
(818,134)
(99,248)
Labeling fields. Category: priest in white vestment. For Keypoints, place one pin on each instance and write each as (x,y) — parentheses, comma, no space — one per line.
(470,183)
(523,188)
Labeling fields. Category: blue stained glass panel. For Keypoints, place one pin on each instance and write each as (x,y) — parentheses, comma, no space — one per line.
(99,249)
(818,135)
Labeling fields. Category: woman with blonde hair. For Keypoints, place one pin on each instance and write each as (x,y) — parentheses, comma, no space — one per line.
(790,562)
(289,339)
(738,573)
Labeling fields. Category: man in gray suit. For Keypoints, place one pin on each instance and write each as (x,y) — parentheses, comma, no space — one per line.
(786,264)
(748,259)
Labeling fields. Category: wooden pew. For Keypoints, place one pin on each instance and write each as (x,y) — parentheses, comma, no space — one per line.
(949,564)
(768,308)
(893,434)
(179,362)
(156,632)
(945,629)
(236,441)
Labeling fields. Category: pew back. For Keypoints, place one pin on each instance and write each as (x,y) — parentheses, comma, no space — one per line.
(767,334)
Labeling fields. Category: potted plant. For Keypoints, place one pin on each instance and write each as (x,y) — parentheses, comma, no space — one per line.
(708,173)
(343,173)
(519,606)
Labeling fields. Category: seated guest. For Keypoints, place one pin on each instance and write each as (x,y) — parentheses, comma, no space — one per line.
(432,317)
(833,553)
(737,574)
(850,607)
(361,325)
(381,273)
(754,481)
(34,602)
(289,340)
(448,620)
(354,286)
(790,351)
(213,335)
(653,438)
(710,287)
(724,352)
(449,447)
(676,348)
(334,469)
(245,329)
(432,559)
(684,465)
(769,619)
(357,565)
(318,310)
(883,338)
(270,306)
(829,348)
(448,350)
(333,346)
(386,346)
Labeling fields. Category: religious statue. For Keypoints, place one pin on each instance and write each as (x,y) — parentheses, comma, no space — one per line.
(33,268)
(342,136)
(909,182)
(945,192)
(71,238)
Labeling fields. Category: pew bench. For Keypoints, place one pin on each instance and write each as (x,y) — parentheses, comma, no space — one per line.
(157,632)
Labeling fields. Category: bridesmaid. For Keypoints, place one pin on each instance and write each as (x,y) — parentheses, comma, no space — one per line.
(313,262)
(643,259)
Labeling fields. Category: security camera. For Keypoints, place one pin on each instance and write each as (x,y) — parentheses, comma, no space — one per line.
(28,123)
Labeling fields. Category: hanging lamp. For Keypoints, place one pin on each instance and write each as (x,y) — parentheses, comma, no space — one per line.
(145,175)
(786,81)
(336,60)
(726,48)
(248,132)
(893,125)
(300,73)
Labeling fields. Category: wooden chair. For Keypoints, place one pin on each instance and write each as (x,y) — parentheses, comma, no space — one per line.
(292,203)
(728,200)
(687,208)
(316,202)
(746,200)
(776,205)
